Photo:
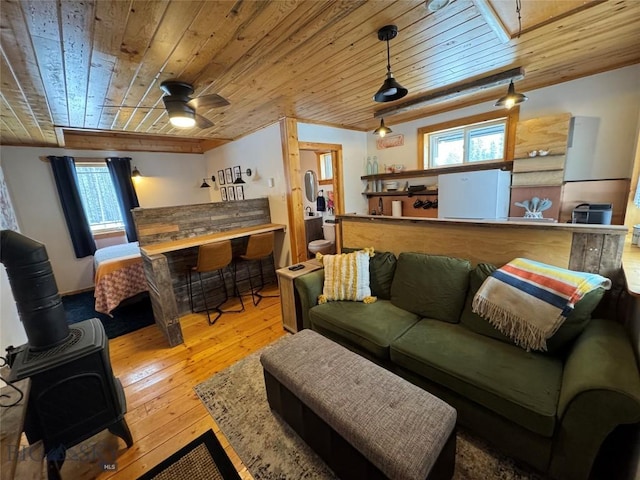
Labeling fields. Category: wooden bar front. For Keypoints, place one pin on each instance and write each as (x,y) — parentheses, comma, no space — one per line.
(589,248)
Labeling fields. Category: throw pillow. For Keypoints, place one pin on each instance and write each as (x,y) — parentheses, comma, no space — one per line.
(431,286)
(382,267)
(571,328)
(346,277)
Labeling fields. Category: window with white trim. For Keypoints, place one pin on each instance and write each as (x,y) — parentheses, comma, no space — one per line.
(479,142)
(99,198)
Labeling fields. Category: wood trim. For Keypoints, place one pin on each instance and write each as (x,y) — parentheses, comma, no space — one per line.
(293,175)
(512,117)
(127,142)
(493,20)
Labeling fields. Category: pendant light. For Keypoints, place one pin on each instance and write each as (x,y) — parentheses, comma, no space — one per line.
(511,98)
(390,90)
(382,130)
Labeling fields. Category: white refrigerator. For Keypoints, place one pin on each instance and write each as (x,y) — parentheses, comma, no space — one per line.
(483,194)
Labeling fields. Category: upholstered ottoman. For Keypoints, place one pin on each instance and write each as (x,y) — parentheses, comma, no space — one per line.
(362,420)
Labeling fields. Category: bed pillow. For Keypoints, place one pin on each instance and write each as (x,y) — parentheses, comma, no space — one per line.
(382,267)
(346,277)
(570,329)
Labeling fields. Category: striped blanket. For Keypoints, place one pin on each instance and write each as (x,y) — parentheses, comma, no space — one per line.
(528,301)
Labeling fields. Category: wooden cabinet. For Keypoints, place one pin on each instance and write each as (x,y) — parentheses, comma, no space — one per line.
(289,300)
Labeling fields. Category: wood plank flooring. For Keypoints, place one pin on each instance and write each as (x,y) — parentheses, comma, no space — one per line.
(163,411)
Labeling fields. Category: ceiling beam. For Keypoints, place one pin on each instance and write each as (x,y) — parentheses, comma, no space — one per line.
(456,90)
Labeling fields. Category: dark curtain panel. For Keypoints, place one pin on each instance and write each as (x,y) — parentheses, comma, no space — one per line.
(64,173)
(120,170)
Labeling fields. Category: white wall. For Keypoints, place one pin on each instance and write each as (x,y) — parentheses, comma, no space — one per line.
(354,154)
(169,179)
(610,101)
(260,151)
(11,331)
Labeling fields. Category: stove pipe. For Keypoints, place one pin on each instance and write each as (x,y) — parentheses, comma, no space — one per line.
(34,289)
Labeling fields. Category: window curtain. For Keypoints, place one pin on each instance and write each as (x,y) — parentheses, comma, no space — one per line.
(120,170)
(66,178)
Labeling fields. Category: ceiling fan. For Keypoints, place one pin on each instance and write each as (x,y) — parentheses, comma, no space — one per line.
(181,108)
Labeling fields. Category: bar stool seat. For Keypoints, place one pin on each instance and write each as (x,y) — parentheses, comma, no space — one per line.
(213,257)
(259,248)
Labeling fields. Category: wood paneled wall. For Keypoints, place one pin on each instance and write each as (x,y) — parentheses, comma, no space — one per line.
(155,225)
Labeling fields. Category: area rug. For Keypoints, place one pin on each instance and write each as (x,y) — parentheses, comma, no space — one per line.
(270,449)
(131,315)
(202,459)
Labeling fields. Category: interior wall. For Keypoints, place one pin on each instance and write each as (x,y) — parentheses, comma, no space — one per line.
(168,179)
(260,151)
(354,146)
(606,105)
(11,331)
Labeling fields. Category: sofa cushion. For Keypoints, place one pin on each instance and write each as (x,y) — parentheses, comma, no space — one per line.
(346,277)
(522,386)
(573,326)
(382,266)
(371,327)
(431,286)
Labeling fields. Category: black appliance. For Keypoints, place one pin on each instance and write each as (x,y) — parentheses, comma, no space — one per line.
(594,213)
(73,394)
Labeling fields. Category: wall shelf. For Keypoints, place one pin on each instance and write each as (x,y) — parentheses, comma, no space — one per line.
(404,193)
(434,172)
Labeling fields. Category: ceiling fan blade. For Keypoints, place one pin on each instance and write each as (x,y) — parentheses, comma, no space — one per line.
(208,101)
(203,122)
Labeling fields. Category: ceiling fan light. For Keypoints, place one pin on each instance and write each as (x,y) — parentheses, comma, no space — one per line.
(382,130)
(512,98)
(182,120)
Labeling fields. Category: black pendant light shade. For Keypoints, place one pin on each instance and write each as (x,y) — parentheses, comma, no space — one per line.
(390,90)
(382,130)
(511,98)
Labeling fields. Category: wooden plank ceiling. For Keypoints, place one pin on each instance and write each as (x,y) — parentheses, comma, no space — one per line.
(96,65)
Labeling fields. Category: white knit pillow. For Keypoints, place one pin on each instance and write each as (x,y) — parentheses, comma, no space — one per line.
(346,277)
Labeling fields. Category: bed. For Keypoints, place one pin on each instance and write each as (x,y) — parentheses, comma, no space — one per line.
(118,275)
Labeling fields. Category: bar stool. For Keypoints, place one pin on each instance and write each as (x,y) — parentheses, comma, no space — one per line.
(259,247)
(213,257)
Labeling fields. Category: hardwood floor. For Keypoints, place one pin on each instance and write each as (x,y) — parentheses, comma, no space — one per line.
(163,411)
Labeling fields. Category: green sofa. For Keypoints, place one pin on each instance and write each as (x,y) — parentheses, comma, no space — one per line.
(551,409)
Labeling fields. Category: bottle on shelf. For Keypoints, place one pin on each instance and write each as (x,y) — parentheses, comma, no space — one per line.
(369,166)
(375,165)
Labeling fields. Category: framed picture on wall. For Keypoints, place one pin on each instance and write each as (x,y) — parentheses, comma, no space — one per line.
(228,175)
(236,172)
(231,193)
(223,194)
(239,192)
(221,177)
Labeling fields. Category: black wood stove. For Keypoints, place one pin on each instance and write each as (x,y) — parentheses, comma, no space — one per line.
(74,394)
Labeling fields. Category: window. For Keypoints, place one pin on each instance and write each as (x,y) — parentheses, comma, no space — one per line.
(474,139)
(99,198)
(325,167)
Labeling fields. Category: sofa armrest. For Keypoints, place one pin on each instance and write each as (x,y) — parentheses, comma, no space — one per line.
(309,288)
(600,390)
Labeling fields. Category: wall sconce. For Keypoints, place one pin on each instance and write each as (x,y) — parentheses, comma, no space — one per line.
(135,174)
(238,179)
(382,130)
(205,184)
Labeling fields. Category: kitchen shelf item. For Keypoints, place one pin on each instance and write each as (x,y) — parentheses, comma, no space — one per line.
(434,172)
